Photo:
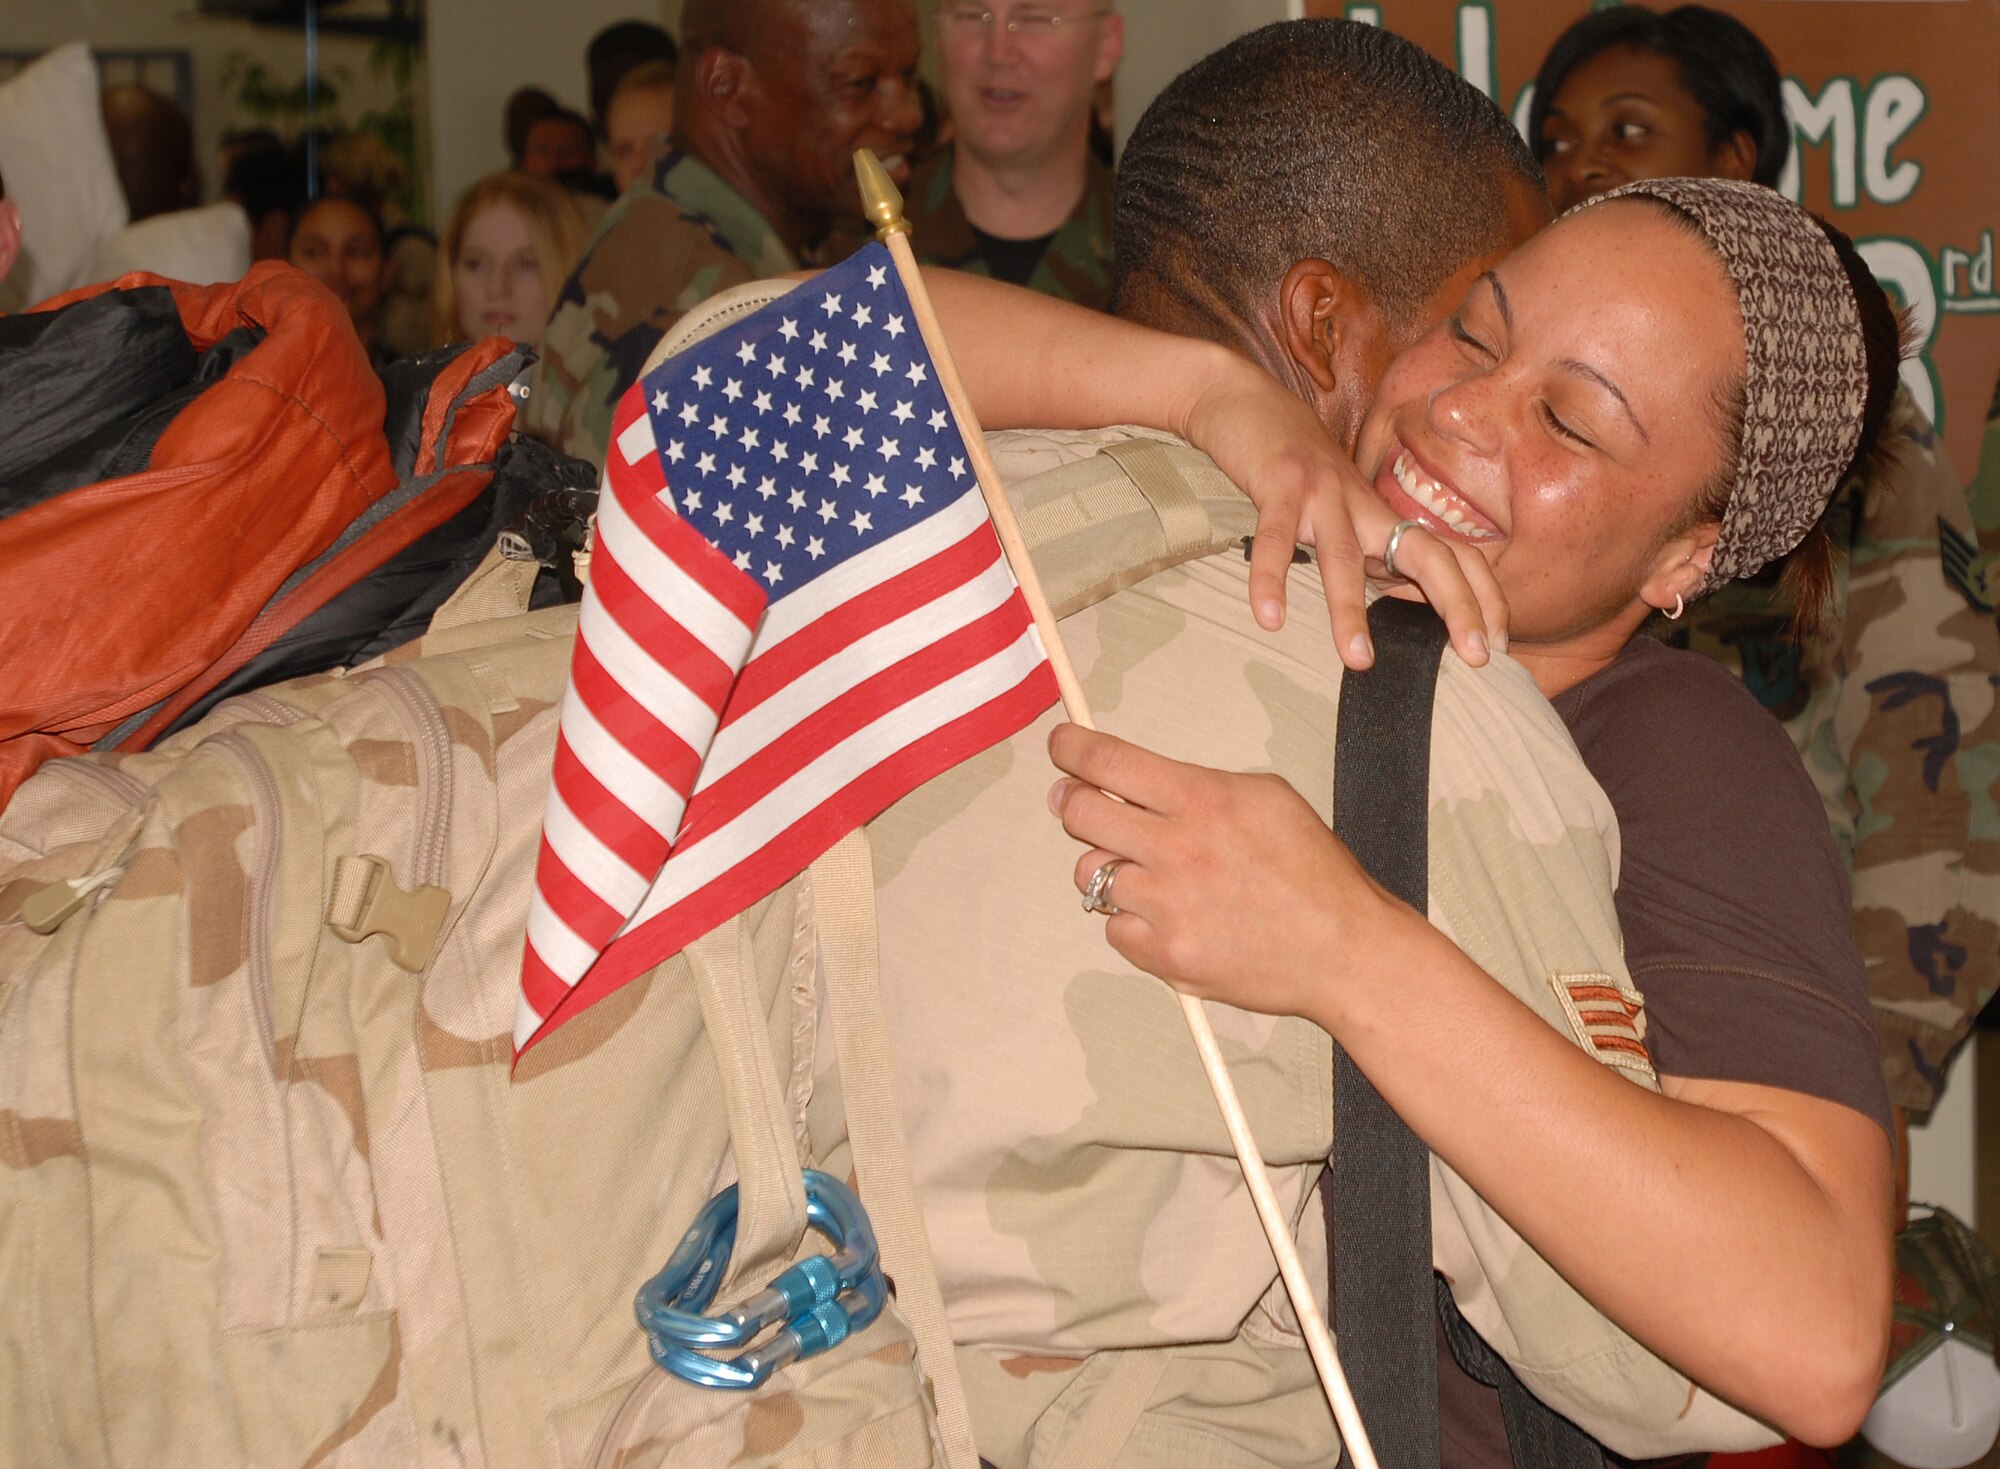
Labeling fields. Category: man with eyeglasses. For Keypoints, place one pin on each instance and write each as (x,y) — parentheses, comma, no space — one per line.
(1017,195)
(771,99)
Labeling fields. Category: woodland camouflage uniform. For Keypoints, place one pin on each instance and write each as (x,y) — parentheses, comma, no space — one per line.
(1076,266)
(661,249)
(1896,710)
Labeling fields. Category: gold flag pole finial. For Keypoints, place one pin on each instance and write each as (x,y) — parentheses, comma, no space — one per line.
(881,201)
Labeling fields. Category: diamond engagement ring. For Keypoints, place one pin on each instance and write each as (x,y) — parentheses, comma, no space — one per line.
(1395,541)
(1097,895)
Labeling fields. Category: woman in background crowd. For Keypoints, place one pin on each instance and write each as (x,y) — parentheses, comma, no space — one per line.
(339,243)
(511,240)
(1890,702)
(1630,94)
(638,120)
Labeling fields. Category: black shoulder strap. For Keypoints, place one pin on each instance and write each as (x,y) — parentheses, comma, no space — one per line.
(1377,1199)
(1538,1437)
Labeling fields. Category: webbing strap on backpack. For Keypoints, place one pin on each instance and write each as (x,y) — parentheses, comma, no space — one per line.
(1378,1197)
(843,882)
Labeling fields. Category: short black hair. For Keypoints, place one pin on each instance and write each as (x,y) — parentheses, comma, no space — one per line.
(528,106)
(367,210)
(568,117)
(1322,139)
(615,50)
(264,176)
(1728,71)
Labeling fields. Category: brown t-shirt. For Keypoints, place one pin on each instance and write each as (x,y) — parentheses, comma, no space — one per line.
(1735,907)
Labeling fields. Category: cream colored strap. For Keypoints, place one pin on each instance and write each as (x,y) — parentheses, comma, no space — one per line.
(1184,519)
(498,587)
(771,1200)
(1113,1411)
(843,884)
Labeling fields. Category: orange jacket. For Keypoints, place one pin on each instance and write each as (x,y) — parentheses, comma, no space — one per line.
(132,596)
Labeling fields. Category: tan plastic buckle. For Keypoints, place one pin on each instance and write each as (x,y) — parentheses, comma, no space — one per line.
(366,901)
(46,908)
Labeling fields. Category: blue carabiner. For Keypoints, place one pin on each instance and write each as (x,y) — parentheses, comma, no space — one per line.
(821,1330)
(820,1301)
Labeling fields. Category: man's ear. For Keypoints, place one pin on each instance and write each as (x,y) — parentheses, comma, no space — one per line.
(1110,46)
(1333,334)
(726,79)
(1316,309)
(10,236)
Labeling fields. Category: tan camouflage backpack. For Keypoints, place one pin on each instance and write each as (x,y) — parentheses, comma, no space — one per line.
(267,1193)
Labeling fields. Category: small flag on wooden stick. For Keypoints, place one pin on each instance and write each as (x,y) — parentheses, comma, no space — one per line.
(797,613)
(883,206)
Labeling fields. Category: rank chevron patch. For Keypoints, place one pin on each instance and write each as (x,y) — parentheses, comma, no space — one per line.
(1609,1018)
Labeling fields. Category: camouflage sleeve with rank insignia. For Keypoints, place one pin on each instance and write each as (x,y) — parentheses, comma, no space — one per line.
(1893,708)
(656,255)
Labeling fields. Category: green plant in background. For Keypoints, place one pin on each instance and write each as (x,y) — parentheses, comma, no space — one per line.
(392,169)
(395,127)
(279,106)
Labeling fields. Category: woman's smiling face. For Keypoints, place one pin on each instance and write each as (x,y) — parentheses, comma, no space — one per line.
(1566,418)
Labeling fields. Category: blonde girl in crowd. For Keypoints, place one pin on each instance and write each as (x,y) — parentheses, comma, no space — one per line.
(511,240)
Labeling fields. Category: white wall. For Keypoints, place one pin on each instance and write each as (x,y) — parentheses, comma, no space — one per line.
(1944,1152)
(30,25)
(479,52)
(1165,37)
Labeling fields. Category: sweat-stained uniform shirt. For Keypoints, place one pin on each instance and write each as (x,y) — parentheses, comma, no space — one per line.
(675,239)
(1079,1191)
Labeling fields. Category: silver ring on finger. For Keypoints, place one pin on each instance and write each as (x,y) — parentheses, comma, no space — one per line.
(1395,543)
(1097,893)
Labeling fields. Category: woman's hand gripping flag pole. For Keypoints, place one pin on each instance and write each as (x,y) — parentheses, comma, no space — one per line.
(884,208)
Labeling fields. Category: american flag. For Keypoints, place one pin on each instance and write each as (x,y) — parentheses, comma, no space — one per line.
(798,612)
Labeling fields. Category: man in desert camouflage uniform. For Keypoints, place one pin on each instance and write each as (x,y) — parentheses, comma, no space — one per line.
(1102,1266)
(1896,710)
(1103,1270)
(771,99)
(1016,194)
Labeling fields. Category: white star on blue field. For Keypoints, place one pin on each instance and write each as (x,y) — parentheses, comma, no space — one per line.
(810,431)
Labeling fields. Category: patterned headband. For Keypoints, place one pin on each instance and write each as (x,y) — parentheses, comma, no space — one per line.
(1805,372)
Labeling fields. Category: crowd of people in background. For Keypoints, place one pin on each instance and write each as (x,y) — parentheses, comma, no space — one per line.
(1006,165)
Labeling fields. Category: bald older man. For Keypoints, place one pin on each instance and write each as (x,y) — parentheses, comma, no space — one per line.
(772,97)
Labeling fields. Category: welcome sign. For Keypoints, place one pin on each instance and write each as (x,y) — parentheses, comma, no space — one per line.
(1895,109)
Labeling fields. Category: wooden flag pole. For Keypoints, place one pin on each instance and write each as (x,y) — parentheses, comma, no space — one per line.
(883,206)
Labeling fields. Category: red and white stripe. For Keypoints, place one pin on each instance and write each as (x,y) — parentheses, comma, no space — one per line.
(666,625)
(888,670)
